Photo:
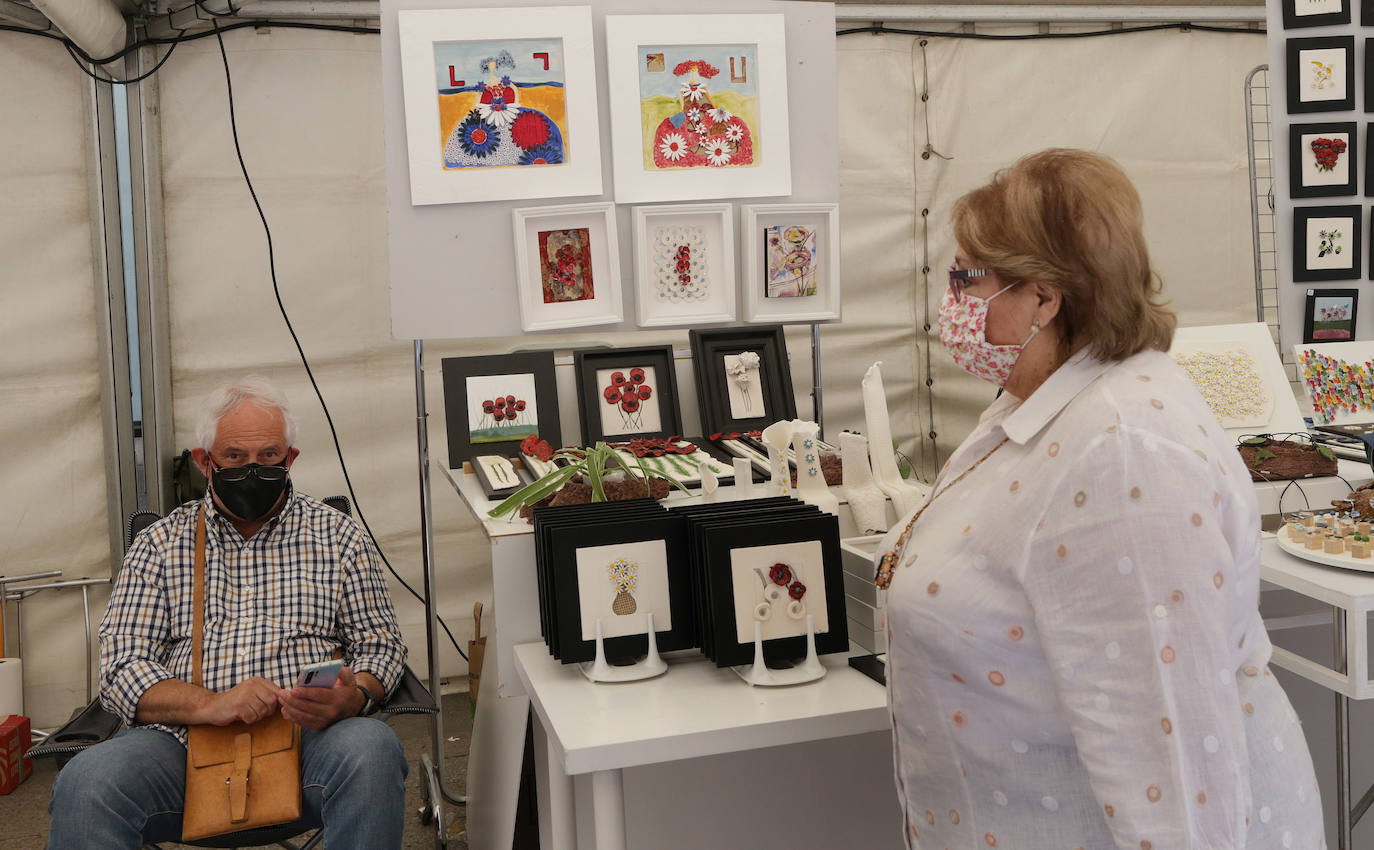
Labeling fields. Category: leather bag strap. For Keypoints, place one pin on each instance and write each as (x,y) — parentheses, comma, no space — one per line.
(198,599)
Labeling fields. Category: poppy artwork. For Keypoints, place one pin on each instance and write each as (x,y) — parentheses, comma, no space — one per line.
(630,405)
(699,106)
(501,103)
(501,408)
(791,257)
(565,265)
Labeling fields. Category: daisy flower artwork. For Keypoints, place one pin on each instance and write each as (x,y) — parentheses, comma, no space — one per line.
(501,103)
(699,106)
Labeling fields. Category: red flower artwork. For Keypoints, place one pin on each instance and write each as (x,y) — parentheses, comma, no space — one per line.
(628,395)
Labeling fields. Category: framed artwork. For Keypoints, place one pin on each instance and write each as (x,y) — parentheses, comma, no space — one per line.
(498,476)
(1338,381)
(685,264)
(1318,13)
(1237,371)
(1326,243)
(698,107)
(743,378)
(791,262)
(494,401)
(627,392)
(1322,159)
(1321,74)
(1367,13)
(1330,315)
(567,266)
(500,103)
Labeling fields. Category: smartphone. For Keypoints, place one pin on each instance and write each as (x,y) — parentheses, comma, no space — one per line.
(321,675)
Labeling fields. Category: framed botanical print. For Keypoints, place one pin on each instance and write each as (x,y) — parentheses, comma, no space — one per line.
(624,393)
(743,378)
(567,266)
(1330,315)
(1316,13)
(1326,243)
(791,262)
(493,402)
(698,106)
(1322,159)
(500,103)
(1321,74)
(685,264)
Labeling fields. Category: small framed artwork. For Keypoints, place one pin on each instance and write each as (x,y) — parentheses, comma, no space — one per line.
(685,259)
(1330,315)
(1367,13)
(493,402)
(1322,159)
(1321,74)
(1326,243)
(624,393)
(1317,13)
(567,266)
(791,262)
(699,108)
(744,380)
(499,103)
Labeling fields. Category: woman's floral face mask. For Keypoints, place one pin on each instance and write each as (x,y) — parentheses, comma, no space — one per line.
(963,332)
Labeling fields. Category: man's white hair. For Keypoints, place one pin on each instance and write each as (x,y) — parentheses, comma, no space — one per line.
(253,389)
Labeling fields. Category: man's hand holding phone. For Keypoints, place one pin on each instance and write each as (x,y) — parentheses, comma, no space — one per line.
(324,694)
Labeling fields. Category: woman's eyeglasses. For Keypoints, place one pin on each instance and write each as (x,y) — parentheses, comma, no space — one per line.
(959,279)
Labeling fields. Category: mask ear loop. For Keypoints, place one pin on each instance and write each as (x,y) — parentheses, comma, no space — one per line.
(1035,329)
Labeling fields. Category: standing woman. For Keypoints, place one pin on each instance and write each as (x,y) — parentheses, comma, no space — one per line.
(1075,653)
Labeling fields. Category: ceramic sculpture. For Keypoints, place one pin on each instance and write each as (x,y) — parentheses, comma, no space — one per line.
(866,502)
(904,496)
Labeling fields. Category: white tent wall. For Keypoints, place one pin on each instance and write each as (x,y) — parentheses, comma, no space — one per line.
(54,498)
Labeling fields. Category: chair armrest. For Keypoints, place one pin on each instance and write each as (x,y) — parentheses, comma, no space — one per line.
(91,726)
(409,697)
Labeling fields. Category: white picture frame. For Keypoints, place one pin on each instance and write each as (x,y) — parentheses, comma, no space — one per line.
(662,298)
(823,222)
(760,95)
(425,33)
(598,222)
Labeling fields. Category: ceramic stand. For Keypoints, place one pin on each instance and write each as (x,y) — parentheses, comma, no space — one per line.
(744,479)
(710,484)
(776,437)
(866,502)
(646,668)
(759,673)
(904,496)
(811,486)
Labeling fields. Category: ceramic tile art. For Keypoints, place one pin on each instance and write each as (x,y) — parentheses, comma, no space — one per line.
(1231,384)
(620,585)
(565,265)
(681,269)
(1336,386)
(501,408)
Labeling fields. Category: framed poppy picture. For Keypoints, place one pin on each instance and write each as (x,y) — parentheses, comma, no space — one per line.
(492,403)
(791,262)
(1327,243)
(567,266)
(685,264)
(624,393)
(1330,315)
(1317,13)
(1322,160)
(1321,74)
(500,104)
(743,378)
(698,106)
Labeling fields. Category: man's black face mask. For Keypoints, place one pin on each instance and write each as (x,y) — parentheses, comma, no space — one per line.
(249,491)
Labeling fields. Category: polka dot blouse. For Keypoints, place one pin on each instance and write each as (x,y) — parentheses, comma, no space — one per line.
(1075,653)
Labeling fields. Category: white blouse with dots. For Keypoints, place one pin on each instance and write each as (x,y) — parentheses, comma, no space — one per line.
(1075,653)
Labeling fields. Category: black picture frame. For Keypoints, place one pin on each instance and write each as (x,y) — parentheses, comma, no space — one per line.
(1310,330)
(498,489)
(1294,50)
(1300,154)
(1355,230)
(1293,20)
(1367,13)
(591,397)
(457,370)
(711,346)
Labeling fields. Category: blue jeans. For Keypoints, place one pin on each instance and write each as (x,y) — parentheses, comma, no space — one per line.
(130,789)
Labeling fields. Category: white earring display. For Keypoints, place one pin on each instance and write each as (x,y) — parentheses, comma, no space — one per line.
(866,502)
(744,478)
(811,486)
(776,437)
(904,496)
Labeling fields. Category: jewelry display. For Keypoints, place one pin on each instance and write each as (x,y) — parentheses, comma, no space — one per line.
(903,495)
(866,502)
(811,486)
(776,438)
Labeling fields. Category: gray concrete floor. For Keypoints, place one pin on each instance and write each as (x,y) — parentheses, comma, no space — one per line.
(24,813)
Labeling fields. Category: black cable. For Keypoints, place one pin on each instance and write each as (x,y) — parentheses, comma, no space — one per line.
(276,291)
(111,80)
(879,29)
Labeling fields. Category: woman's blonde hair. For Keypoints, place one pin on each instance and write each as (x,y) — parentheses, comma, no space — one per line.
(1072,219)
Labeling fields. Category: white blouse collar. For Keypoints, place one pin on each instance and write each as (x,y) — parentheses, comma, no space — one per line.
(1060,388)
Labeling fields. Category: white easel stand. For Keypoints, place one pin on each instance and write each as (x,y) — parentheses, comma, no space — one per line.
(744,478)
(651,665)
(759,673)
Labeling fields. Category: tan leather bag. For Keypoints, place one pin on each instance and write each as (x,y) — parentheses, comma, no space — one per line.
(243,775)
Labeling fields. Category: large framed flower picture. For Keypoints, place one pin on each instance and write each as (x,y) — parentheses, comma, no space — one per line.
(500,103)
(698,106)
(567,266)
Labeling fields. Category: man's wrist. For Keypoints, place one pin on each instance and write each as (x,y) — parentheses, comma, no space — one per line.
(367,703)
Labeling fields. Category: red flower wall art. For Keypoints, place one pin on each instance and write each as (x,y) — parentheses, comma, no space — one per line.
(565,265)
(699,106)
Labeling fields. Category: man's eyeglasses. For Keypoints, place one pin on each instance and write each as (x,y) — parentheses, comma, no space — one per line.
(959,279)
(241,473)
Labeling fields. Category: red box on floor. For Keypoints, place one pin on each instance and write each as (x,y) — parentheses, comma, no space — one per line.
(14,742)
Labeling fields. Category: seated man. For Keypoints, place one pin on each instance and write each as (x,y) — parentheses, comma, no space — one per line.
(290,581)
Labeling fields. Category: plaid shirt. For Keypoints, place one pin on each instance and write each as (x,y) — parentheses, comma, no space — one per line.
(307,583)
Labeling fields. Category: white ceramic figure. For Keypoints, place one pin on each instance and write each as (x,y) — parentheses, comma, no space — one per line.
(744,478)
(710,484)
(904,496)
(776,437)
(811,486)
(866,502)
